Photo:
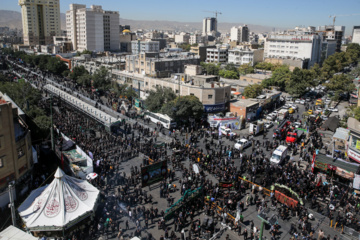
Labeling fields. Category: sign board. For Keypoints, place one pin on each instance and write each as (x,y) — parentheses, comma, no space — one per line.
(153,173)
(225,184)
(357,144)
(345,174)
(356,183)
(214,108)
(322,166)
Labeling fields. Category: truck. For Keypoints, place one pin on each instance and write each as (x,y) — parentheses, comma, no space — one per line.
(256,128)
(279,155)
(283,114)
(294,136)
(282,129)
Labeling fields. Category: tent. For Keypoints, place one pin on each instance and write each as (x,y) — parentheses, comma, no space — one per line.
(332,123)
(13,233)
(60,205)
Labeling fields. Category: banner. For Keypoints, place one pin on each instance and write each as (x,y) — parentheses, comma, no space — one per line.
(285,199)
(345,174)
(225,184)
(313,163)
(357,144)
(322,166)
(153,173)
(356,183)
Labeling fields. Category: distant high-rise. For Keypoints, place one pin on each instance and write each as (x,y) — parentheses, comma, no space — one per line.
(239,34)
(93,28)
(40,21)
(209,25)
(332,33)
(356,35)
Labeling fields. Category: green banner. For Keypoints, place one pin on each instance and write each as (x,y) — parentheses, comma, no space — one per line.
(153,173)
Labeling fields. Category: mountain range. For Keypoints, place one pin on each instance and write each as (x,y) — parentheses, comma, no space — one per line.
(12,19)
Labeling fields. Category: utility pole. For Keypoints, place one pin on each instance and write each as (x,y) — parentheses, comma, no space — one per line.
(12,205)
(52,125)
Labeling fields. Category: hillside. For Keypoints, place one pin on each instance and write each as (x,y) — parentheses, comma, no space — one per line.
(12,19)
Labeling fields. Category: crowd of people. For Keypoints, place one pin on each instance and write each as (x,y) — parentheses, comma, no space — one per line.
(125,200)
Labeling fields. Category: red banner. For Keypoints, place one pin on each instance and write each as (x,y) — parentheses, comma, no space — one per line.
(285,199)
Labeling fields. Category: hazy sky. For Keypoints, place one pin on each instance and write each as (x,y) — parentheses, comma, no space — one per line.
(274,13)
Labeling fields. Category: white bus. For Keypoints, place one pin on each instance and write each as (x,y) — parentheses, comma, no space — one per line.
(162,119)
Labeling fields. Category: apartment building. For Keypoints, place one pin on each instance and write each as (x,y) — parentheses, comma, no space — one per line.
(138,46)
(209,26)
(356,35)
(182,38)
(200,51)
(353,149)
(239,34)
(40,21)
(195,38)
(294,44)
(16,159)
(244,55)
(92,28)
(154,65)
(217,55)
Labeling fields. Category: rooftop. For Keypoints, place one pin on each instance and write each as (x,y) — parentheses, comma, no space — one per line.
(257,76)
(353,124)
(244,102)
(342,133)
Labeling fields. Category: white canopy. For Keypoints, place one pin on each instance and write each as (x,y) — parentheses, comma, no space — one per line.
(60,205)
(13,233)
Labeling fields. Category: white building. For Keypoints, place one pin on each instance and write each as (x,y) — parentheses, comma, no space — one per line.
(138,46)
(240,56)
(294,45)
(195,38)
(209,25)
(40,21)
(182,38)
(92,28)
(239,34)
(356,35)
(217,55)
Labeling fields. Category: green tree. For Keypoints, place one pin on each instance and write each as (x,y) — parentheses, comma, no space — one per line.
(252,91)
(184,107)
(211,68)
(101,79)
(230,74)
(280,76)
(245,69)
(77,72)
(156,99)
(300,79)
(56,66)
(84,80)
(340,84)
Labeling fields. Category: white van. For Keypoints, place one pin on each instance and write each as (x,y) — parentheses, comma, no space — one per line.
(279,154)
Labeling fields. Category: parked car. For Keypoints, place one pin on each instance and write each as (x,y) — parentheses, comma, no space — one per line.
(270,117)
(332,109)
(308,99)
(242,144)
(297,124)
(310,111)
(328,100)
(269,125)
(297,100)
(226,131)
(302,101)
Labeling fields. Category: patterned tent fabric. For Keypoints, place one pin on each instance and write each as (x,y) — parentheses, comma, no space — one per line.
(60,205)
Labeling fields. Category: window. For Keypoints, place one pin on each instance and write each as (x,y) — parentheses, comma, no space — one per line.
(210,96)
(191,94)
(20,152)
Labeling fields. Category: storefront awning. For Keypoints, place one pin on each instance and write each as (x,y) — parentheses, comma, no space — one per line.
(325,162)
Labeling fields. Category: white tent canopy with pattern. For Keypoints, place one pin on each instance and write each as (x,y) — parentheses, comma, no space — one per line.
(59,205)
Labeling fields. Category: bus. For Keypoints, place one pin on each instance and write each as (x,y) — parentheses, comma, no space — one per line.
(162,119)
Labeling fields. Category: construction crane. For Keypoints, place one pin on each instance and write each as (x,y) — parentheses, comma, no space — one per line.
(346,15)
(215,12)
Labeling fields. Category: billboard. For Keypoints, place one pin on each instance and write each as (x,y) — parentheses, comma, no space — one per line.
(153,173)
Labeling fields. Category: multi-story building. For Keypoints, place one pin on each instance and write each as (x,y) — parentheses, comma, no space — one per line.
(332,33)
(356,35)
(240,56)
(138,46)
(209,26)
(92,28)
(16,158)
(195,38)
(126,36)
(152,64)
(294,44)
(200,50)
(40,21)
(182,38)
(217,55)
(239,34)
(353,149)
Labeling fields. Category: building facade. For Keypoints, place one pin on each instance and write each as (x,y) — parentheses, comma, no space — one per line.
(217,55)
(138,46)
(240,56)
(40,21)
(353,149)
(294,45)
(93,28)
(356,35)
(332,33)
(239,34)
(16,158)
(182,38)
(209,25)
(152,64)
